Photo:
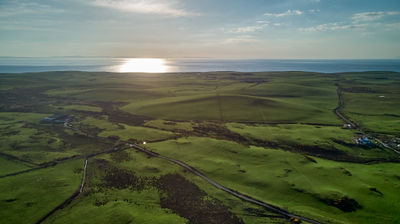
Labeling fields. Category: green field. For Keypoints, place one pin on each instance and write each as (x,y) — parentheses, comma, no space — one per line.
(298,183)
(28,197)
(8,166)
(272,135)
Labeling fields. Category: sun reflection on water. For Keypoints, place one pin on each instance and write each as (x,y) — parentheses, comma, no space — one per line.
(149,65)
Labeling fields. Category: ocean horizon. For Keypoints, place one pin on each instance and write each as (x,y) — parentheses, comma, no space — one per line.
(172,65)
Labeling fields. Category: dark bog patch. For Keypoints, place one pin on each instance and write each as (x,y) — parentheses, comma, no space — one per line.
(117,116)
(344,203)
(120,178)
(373,189)
(120,156)
(218,131)
(10,200)
(187,200)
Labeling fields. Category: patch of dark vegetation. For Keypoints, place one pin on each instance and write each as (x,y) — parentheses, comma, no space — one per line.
(217,131)
(24,100)
(152,169)
(310,159)
(111,176)
(345,203)
(12,157)
(392,115)
(115,115)
(87,142)
(242,74)
(373,189)
(120,156)
(358,89)
(10,200)
(287,171)
(351,145)
(11,133)
(29,204)
(78,170)
(100,202)
(346,172)
(330,153)
(298,189)
(187,200)
(176,193)
(169,123)
(120,178)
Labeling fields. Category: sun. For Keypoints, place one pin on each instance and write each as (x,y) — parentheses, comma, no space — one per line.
(148,65)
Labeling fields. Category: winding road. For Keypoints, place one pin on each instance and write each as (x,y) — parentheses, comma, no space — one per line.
(228,190)
(354,125)
(191,169)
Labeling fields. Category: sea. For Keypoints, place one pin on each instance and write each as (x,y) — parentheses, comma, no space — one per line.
(171,65)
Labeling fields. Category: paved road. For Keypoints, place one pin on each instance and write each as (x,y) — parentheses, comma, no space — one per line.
(228,190)
(354,125)
(189,168)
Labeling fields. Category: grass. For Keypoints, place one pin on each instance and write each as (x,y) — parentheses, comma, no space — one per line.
(146,209)
(143,206)
(14,117)
(99,122)
(8,166)
(138,133)
(170,125)
(309,135)
(26,198)
(23,136)
(126,132)
(289,109)
(371,100)
(225,108)
(292,181)
(25,141)
(77,107)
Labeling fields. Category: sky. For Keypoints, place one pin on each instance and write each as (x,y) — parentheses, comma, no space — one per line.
(270,29)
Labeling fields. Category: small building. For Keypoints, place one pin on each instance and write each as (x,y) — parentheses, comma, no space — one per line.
(347,126)
(364,141)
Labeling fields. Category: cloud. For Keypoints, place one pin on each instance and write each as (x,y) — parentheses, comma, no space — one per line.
(168,8)
(250,29)
(240,39)
(360,21)
(289,12)
(392,26)
(335,27)
(372,16)
(313,11)
(15,8)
